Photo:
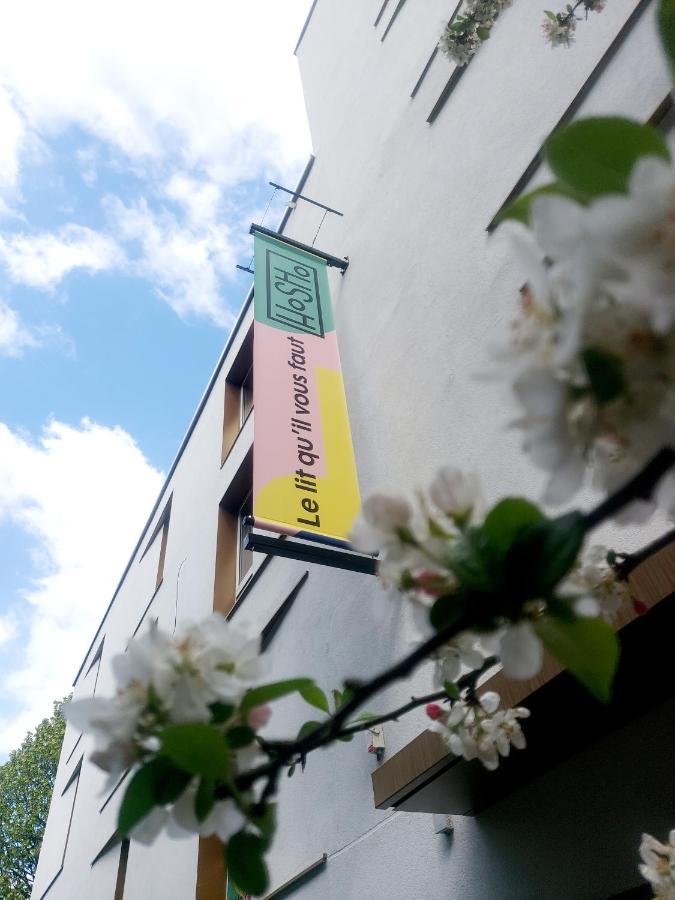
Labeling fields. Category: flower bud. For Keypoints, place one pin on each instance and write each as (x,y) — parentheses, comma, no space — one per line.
(434,711)
(259,716)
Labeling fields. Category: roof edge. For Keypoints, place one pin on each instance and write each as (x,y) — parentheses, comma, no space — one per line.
(305,26)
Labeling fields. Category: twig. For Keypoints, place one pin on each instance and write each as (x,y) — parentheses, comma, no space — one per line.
(328,731)
(467,681)
(641,487)
(638,488)
(630,561)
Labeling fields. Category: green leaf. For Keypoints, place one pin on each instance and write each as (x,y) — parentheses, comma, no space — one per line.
(483,32)
(605,373)
(452,690)
(240,736)
(545,552)
(276,690)
(346,738)
(245,860)
(666,18)
(221,712)
(506,520)
(291,771)
(596,156)
(521,208)
(551,15)
(204,799)
(26,783)
(311,693)
(306,728)
(446,611)
(266,823)
(589,648)
(197,748)
(156,783)
(469,561)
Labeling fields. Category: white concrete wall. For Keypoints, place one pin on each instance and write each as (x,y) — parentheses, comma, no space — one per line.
(425,296)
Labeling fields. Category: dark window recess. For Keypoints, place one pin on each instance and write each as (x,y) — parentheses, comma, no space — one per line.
(380,13)
(161,530)
(238,399)
(74,779)
(399,7)
(244,556)
(246,401)
(434,54)
(122,870)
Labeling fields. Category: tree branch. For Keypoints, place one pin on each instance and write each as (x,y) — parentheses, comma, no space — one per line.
(630,561)
(640,487)
(466,681)
(328,731)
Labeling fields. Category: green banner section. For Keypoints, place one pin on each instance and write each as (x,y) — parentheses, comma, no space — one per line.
(291,288)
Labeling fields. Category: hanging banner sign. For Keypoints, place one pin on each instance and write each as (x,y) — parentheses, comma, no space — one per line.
(304,474)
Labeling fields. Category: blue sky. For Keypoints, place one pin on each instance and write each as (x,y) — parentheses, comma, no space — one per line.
(137,142)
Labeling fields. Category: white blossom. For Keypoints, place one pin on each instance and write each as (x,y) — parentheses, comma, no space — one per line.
(460,46)
(463,652)
(480,730)
(455,493)
(224,819)
(559,30)
(658,865)
(594,579)
(150,827)
(521,651)
(379,524)
(161,681)
(593,347)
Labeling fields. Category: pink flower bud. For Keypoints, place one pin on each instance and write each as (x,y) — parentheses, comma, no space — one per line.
(259,716)
(430,583)
(434,711)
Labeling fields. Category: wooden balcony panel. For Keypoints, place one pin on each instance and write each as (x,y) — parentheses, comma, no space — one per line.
(425,777)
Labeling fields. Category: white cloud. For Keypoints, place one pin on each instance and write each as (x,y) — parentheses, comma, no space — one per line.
(8,629)
(82,494)
(200,199)
(12,130)
(42,260)
(14,338)
(212,84)
(184,261)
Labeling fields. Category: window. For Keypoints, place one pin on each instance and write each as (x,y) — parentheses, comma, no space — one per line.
(244,556)
(238,399)
(246,396)
(55,835)
(122,870)
(235,565)
(161,531)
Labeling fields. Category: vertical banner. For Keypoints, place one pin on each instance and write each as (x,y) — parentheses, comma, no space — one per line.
(304,474)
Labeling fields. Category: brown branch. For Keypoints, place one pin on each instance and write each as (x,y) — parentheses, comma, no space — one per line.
(628,562)
(641,487)
(327,731)
(638,488)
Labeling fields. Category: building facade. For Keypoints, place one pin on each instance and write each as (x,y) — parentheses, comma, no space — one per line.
(419,158)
